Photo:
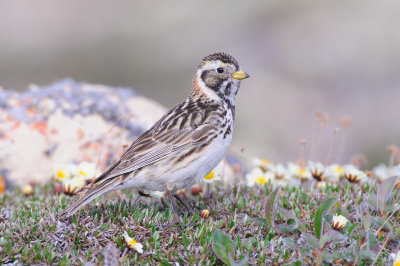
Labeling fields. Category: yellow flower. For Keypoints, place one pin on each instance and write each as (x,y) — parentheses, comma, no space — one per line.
(27,190)
(262,179)
(211,177)
(334,172)
(263,164)
(339,221)
(338,169)
(87,170)
(396,261)
(132,243)
(63,171)
(258,176)
(299,172)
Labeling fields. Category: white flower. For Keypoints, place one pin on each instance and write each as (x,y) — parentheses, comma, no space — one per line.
(64,171)
(258,176)
(317,170)
(73,185)
(334,172)
(132,243)
(279,171)
(263,164)
(339,221)
(382,172)
(351,173)
(87,170)
(299,172)
(211,177)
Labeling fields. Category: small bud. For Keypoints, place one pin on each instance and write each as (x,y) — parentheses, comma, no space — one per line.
(393,149)
(180,192)
(370,174)
(321,117)
(338,222)
(358,159)
(320,184)
(236,168)
(196,190)
(27,190)
(303,141)
(346,121)
(205,213)
(58,188)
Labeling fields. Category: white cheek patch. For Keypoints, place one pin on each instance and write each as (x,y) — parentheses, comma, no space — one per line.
(210,93)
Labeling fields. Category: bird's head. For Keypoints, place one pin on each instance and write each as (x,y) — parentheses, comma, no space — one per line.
(218,76)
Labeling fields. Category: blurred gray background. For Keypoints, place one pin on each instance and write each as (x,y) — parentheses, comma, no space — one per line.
(340,57)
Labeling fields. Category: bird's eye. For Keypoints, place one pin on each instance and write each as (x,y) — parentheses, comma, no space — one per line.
(220,70)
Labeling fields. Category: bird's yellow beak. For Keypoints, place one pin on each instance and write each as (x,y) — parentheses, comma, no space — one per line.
(240,75)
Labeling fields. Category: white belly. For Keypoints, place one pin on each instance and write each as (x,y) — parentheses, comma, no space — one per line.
(154,178)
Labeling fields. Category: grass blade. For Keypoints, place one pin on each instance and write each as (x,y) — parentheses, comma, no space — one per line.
(319,216)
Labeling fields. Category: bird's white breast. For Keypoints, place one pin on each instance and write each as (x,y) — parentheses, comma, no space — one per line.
(189,171)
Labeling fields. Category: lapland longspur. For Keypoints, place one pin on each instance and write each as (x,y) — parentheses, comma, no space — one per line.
(185,144)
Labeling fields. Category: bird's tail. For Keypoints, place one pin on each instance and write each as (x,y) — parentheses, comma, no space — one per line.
(90,195)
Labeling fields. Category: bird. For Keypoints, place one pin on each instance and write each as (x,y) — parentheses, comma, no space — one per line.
(184,145)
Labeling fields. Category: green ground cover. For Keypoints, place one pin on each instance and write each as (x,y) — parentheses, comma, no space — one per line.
(263,224)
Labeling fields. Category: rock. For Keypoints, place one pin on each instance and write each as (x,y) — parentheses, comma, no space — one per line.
(68,122)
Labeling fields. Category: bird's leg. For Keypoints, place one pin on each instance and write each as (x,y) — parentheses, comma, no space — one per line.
(137,199)
(185,204)
(141,194)
(173,207)
(207,193)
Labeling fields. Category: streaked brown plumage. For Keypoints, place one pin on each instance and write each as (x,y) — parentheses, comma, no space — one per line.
(185,144)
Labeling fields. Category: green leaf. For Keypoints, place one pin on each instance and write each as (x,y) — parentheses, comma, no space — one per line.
(397,233)
(371,200)
(223,246)
(290,243)
(290,226)
(312,241)
(379,221)
(351,228)
(242,262)
(365,218)
(372,242)
(290,215)
(270,207)
(384,190)
(318,220)
(262,221)
(331,236)
(186,241)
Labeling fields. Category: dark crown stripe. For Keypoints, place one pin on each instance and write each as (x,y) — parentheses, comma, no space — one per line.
(223,57)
